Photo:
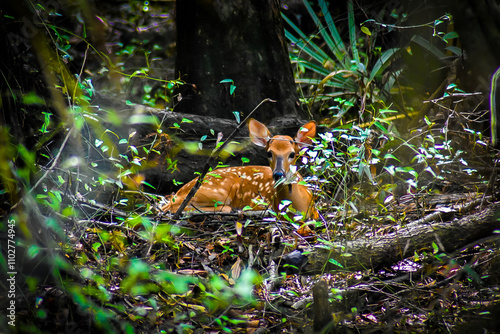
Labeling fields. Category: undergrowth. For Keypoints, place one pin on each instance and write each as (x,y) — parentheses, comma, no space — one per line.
(83,181)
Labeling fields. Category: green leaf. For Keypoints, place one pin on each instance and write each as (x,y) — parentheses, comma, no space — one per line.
(387,111)
(309,65)
(381,127)
(352,33)
(31,98)
(382,63)
(391,156)
(431,48)
(450,35)
(435,248)
(125,173)
(186,120)
(366,30)
(404,169)
(147,184)
(334,41)
(147,88)
(430,170)
(237,116)
(109,131)
(304,43)
(391,170)
(140,73)
(453,49)
(335,262)
(143,119)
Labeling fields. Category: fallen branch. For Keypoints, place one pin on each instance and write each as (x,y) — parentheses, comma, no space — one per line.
(376,251)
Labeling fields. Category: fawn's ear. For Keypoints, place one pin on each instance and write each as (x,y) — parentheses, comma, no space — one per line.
(259,133)
(305,134)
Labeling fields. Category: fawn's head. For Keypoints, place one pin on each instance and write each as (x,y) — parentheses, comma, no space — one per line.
(282,151)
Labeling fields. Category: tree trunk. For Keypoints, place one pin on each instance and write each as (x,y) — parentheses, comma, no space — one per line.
(238,40)
(375,252)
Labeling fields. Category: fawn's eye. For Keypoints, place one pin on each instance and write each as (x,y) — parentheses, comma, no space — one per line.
(292,155)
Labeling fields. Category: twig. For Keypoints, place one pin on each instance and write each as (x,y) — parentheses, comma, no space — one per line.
(215,153)
(54,163)
(429,24)
(463,95)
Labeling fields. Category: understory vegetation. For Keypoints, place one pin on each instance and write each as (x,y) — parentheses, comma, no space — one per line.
(93,252)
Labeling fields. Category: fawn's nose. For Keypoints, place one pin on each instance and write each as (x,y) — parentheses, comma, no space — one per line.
(278,175)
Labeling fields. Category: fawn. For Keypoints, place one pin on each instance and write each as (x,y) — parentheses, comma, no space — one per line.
(237,187)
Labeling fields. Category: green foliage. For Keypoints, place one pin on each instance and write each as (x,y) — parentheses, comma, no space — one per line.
(371,156)
(105,160)
(350,171)
(336,67)
(346,70)
(117,249)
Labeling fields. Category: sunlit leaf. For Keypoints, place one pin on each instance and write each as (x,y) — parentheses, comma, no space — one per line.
(143,119)
(32,98)
(335,262)
(450,35)
(237,116)
(148,184)
(366,30)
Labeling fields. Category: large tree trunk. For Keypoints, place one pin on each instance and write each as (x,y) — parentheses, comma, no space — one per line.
(238,40)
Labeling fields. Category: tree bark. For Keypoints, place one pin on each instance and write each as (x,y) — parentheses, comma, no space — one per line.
(238,40)
(375,252)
